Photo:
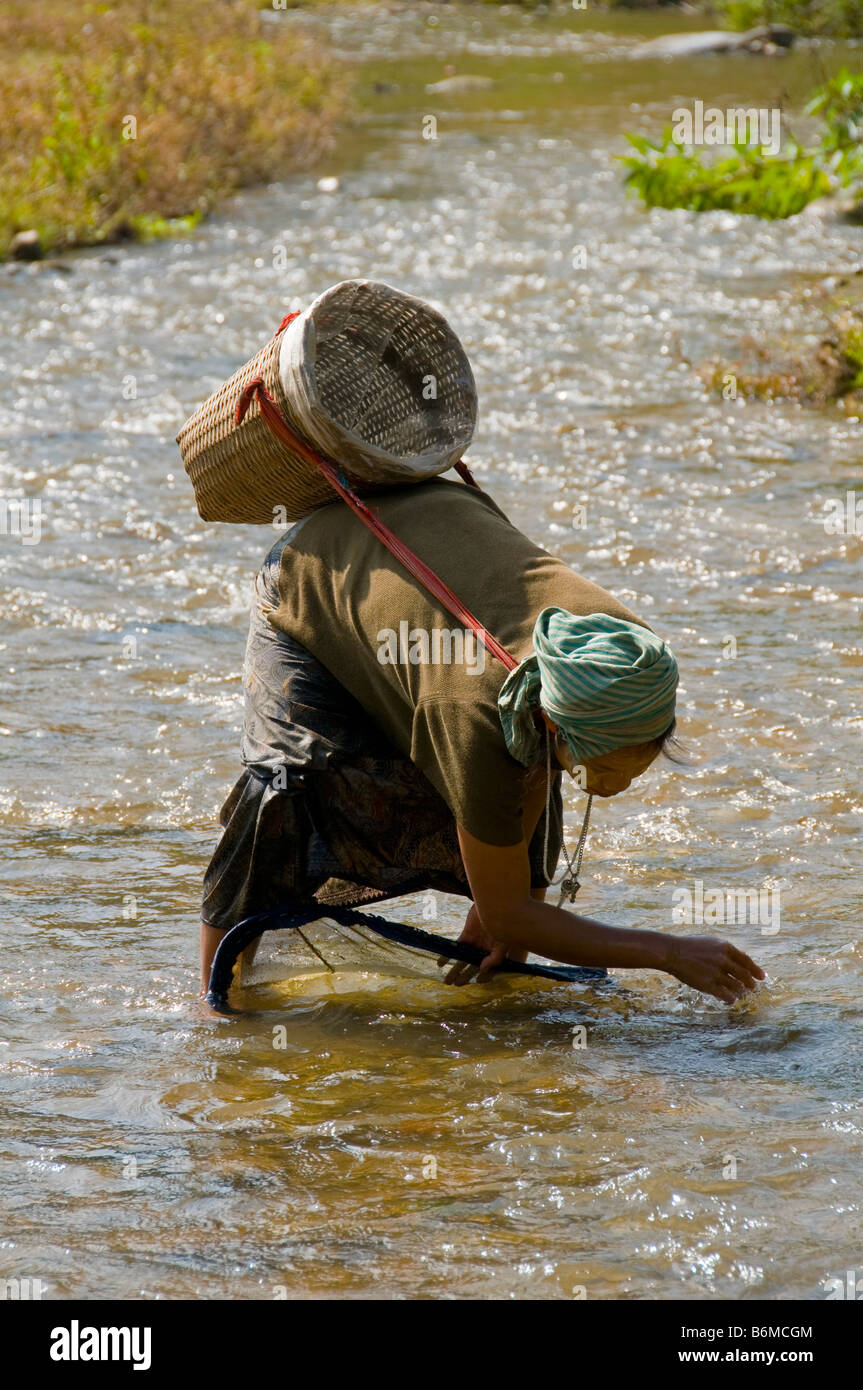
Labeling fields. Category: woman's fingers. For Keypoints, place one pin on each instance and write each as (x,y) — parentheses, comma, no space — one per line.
(461,973)
(737,982)
(742,973)
(742,959)
(721,986)
(715,967)
(495,958)
(740,967)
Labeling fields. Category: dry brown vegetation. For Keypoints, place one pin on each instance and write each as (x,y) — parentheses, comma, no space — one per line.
(831,371)
(215,97)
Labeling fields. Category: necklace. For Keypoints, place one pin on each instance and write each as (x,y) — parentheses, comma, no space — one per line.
(569,883)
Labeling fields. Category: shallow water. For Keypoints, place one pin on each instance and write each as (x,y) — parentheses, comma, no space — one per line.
(409,1139)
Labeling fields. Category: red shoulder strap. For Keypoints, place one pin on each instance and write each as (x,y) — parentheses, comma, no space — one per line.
(279,426)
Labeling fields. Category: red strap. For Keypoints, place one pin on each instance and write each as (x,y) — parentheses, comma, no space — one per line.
(279,426)
(464,472)
(289,318)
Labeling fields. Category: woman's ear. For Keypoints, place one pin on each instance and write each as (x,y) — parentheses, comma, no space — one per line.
(547,720)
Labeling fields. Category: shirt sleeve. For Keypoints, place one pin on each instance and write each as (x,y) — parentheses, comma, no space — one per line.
(460,747)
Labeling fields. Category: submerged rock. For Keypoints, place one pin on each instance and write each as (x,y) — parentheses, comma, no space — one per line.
(837,207)
(461,83)
(851,210)
(26,246)
(765,38)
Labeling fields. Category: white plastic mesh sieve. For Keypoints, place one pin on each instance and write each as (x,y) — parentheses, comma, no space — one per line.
(379,382)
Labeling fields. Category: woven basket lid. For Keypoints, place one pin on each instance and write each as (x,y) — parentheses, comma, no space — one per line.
(378,382)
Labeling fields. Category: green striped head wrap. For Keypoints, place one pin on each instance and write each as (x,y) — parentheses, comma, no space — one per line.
(606,683)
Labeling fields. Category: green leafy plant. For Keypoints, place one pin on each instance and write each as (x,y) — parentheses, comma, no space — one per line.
(747,181)
(670,175)
(151,227)
(850,331)
(835,17)
(839,103)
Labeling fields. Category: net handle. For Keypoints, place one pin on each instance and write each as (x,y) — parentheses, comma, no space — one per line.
(238,937)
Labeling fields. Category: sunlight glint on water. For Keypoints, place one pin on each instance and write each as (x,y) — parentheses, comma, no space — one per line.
(409,1140)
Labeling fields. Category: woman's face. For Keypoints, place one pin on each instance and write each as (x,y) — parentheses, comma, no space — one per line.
(610,773)
(613,772)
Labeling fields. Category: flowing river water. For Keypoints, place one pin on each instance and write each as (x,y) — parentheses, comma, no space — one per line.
(410,1139)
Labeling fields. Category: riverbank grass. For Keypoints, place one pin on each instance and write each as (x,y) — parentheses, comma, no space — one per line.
(829,372)
(136,120)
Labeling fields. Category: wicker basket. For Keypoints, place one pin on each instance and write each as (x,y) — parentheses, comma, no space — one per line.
(372,379)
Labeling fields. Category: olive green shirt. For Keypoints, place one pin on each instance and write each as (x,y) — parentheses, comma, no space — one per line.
(346,599)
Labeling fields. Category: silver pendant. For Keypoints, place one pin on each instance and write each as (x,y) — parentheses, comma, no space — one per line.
(568,889)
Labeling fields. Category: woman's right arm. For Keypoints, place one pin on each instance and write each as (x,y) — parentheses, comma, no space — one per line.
(499,878)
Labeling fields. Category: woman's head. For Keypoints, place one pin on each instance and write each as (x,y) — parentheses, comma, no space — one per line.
(605,683)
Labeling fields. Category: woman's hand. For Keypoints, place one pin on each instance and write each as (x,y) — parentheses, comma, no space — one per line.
(713,966)
(474,933)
